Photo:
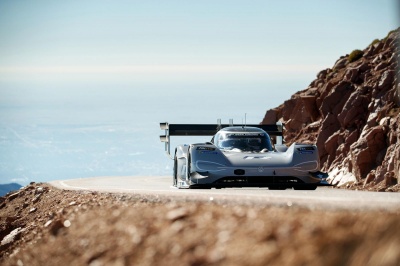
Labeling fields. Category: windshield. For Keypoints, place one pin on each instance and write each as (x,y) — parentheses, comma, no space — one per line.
(245,142)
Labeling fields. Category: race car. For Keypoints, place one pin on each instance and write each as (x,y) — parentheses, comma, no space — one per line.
(242,156)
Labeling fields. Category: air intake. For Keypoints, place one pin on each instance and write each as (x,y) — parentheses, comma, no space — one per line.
(239,172)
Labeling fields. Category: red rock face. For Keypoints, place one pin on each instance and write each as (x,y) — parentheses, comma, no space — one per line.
(352,113)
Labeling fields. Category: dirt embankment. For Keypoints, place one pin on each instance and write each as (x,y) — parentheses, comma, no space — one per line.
(41,225)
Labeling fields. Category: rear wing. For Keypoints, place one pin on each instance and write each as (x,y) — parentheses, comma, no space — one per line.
(275,130)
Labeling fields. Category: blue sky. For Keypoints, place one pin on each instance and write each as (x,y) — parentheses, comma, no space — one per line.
(103,34)
(70,50)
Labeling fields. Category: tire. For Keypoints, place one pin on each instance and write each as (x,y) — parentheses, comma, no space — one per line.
(188,166)
(175,174)
(199,187)
(306,187)
(277,188)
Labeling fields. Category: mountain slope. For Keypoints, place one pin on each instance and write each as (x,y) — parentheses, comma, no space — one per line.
(352,112)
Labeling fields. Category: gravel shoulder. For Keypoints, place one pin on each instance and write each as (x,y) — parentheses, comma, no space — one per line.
(42,225)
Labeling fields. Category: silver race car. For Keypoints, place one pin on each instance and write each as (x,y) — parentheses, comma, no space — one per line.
(242,156)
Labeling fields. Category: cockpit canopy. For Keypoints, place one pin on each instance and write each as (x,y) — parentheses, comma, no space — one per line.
(244,139)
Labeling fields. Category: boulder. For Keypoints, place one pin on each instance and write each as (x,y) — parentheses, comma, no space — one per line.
(390,179)
(340,63)
(336,99)
(271,117)
(323,92)
(331,143)
(354,111)
(329,126)
(351,75)
(310,105)
(386,79)
(11,237)
(370,177)
(366,149)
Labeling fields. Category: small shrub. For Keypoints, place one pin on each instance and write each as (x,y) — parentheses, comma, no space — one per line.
(374,42)
(355,55)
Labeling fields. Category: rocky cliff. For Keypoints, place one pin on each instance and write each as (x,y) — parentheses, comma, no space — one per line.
(352,113)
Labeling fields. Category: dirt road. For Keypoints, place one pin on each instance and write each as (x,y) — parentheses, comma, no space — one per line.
(322,198)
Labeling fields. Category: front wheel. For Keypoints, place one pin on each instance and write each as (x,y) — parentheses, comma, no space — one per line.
(277,187)
(306,187)
(174,175)
(188,167)
(199,187)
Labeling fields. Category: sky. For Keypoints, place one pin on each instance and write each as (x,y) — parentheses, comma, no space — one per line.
(45,41)
(84,84)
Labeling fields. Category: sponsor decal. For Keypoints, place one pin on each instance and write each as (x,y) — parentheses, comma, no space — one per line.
(245,135)
(309,148)
(256,157)
(306,152)
(201,148)
(208,152)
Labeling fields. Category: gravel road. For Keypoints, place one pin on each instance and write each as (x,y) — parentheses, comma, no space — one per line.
(322,198)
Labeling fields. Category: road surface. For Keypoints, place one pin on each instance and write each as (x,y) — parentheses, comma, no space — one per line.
(160,186)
